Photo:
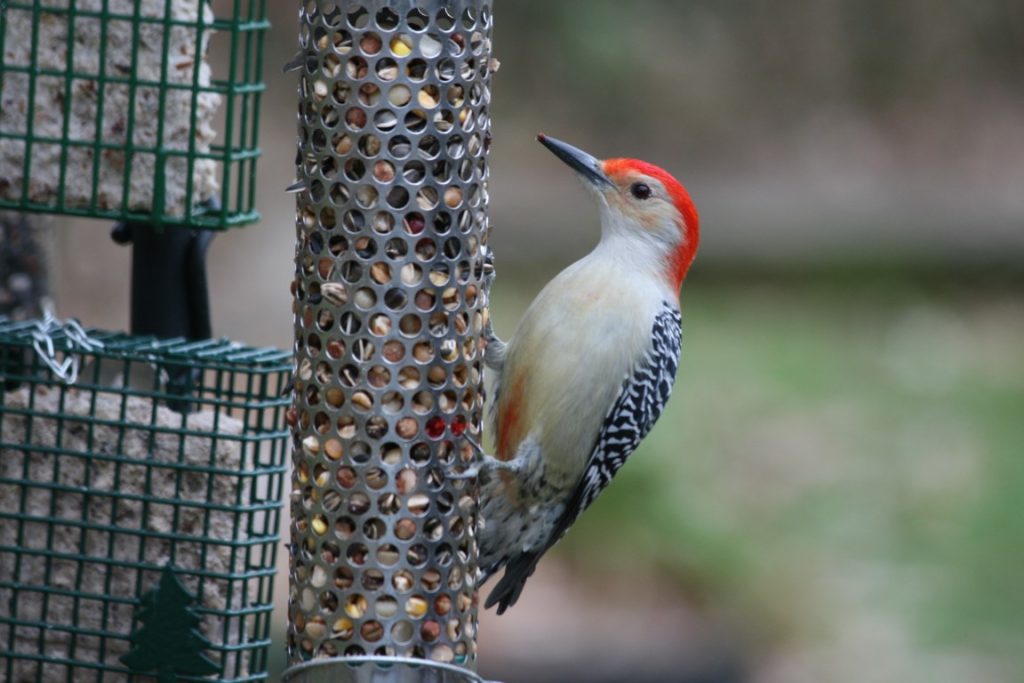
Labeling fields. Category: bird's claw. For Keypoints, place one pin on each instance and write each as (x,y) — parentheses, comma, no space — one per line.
(477,448)
(488,332)
(464,475)
(489,273)
(477,465)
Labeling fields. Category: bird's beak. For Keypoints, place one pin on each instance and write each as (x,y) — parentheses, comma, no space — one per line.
(578,160)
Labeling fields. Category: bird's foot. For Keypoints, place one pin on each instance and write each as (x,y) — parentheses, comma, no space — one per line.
(488,270)
(462,475)
(482,465)
(495,350)
(475,466)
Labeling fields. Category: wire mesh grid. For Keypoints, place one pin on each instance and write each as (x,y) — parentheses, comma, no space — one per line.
(102,486)
(394,129)
(110,109)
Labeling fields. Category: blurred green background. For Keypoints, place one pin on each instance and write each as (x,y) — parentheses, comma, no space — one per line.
(834,491)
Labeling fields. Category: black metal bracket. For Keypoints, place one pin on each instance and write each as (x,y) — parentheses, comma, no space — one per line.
(170,297)
(169,292)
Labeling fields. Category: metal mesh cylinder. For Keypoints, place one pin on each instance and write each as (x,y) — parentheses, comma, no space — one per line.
(391,224)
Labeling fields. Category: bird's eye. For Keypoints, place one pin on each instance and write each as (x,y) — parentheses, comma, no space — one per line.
(640,191)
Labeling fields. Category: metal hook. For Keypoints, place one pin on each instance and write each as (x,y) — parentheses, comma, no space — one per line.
(42,341)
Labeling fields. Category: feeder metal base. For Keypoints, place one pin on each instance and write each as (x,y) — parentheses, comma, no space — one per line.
(379,670)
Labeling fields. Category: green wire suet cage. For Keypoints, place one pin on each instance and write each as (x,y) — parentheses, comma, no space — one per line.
(137,542)
(131,110)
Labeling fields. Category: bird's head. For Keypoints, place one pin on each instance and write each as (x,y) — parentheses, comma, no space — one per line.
(640,200)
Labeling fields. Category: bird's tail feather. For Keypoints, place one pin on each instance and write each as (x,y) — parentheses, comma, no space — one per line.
(507,592)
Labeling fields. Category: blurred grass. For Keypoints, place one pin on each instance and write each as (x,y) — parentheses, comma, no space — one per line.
(839,469)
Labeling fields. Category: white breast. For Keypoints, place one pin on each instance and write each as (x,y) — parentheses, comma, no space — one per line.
(574,347)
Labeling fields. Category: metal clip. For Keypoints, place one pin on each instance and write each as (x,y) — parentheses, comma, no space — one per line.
(65,370)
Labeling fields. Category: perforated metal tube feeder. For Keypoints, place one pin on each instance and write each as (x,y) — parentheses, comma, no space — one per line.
(392,227)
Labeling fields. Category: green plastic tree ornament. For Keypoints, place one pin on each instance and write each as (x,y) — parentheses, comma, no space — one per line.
(168,641)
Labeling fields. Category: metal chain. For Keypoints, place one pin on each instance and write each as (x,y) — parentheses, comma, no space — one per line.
(65,370)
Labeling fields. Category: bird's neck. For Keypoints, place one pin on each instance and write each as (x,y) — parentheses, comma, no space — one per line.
(634,255)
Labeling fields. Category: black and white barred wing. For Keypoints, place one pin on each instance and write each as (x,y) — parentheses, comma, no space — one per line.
(639,404)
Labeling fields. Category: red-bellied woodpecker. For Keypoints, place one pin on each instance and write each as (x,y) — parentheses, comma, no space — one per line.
(589,368)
